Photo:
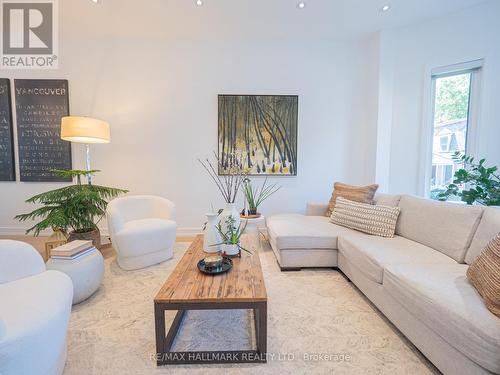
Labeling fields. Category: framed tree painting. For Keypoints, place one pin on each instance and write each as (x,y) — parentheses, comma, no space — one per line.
(258,134)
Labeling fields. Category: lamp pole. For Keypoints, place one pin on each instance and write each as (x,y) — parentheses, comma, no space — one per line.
(87,163)
(85,130)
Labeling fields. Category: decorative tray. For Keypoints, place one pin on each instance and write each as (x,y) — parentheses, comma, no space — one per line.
(226,265)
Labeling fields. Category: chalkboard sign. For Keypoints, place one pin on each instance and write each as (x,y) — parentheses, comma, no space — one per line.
(40,105)
(7,169)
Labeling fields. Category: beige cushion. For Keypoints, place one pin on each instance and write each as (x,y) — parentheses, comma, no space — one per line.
(488,227)
(442,298)
(371,254)
(377,220)
(484,275)
(295,231)
(363,194)
(390,200)
(446,227)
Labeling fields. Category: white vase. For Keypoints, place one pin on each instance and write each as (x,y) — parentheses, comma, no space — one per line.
(211,235)
(231,250)
(230,210)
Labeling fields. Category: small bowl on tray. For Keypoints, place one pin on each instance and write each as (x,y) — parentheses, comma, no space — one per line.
(215,264)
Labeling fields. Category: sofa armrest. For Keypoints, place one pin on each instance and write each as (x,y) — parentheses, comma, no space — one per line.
(316,209)
(168,209)
(114,219)
(18,260)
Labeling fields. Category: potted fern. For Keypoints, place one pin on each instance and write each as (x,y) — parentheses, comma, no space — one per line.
(77,208)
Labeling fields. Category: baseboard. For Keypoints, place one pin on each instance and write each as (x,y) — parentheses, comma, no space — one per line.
(20,231)
(186,231)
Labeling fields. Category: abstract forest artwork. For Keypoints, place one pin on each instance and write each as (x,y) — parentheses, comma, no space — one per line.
(258,134)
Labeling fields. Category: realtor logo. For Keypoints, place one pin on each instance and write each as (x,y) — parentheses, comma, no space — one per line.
(29,34)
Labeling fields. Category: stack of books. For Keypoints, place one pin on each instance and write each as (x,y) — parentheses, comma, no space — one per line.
(72,250)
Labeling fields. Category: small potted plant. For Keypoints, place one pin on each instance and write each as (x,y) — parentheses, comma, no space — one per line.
(254,196)
(76,207)
(231,238)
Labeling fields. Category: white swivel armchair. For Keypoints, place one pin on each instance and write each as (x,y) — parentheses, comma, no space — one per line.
(35,306)
(142,230)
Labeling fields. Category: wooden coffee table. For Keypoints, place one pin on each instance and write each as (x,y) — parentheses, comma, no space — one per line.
(242,287)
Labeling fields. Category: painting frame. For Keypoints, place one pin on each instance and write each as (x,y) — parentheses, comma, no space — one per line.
(262,130)
(60,151)
(8,142)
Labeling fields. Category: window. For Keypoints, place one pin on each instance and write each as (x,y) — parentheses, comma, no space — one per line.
(454,99)
(445,143)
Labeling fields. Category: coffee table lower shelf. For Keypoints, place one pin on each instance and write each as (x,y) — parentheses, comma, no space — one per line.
(164,342)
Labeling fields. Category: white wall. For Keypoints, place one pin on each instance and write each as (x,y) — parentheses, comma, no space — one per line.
(360,102)
(160,97)
(471,34)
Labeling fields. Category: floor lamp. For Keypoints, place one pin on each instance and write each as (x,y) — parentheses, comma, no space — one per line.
(85,130)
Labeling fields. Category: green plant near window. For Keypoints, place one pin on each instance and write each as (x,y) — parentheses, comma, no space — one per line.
(255,195)
(482,184)
(77,207)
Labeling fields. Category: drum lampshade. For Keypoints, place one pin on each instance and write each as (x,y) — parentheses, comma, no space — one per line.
(84,130)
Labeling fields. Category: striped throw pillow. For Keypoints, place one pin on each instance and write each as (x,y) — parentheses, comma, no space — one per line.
(372,219)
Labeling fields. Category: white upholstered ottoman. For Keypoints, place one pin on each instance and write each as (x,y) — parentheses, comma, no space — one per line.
(86,273)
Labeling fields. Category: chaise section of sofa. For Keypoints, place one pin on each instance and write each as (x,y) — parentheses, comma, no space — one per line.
(311,240)
(304,241)
(417,279)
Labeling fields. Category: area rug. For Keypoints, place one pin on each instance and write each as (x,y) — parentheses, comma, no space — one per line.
(318,323)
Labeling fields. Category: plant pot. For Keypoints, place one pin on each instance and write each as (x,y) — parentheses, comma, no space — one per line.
(94,236)
(231,250)
(211,235)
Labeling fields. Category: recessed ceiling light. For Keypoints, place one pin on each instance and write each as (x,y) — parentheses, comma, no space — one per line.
(301,5)
(199,3)
(385,8)
(95,1)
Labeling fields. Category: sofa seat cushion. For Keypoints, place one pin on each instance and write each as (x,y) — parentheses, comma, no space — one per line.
(295,231)
(442,298)
(371,254)
(149,235)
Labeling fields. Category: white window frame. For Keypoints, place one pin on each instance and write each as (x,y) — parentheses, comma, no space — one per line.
(476,68)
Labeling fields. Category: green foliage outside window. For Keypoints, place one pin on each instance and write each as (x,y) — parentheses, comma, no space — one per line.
(452,98)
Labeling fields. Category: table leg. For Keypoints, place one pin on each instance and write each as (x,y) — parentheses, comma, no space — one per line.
(159,330)
(260,315)
(174,328)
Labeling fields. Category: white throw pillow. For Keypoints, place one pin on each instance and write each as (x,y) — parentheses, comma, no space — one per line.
(372,219)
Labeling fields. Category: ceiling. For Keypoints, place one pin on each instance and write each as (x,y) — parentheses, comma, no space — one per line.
(250,19)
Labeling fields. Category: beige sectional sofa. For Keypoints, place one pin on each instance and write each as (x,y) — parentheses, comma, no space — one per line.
(417,279)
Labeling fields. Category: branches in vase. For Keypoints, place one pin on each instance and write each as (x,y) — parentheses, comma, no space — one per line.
(230,183)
